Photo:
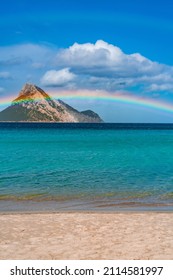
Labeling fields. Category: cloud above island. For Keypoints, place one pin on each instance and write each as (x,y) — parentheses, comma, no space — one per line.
(105,66)
(91,66)
(57,78)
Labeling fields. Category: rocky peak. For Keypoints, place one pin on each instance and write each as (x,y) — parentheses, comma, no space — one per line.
(28,89)
(31,92)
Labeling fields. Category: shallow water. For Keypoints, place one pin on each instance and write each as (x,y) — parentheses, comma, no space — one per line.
(86,167)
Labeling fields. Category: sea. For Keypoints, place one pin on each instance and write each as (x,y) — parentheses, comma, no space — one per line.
(86,167)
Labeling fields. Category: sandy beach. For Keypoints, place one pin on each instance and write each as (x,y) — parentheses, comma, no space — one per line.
(86,236)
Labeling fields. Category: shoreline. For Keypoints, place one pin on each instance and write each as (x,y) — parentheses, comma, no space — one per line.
(121,211)
(86,235)
(83,206)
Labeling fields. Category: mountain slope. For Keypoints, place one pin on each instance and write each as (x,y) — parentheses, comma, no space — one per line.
(33,104)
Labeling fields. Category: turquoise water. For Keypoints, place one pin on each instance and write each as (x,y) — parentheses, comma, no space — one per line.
(85,169)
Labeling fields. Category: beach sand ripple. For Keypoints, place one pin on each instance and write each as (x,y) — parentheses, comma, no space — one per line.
(86,236)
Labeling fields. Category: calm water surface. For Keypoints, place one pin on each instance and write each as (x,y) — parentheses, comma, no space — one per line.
(102,167)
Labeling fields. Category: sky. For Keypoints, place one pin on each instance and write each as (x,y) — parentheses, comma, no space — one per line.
(114,57)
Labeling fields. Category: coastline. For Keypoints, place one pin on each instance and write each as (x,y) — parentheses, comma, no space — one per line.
(86,235)
(80,205)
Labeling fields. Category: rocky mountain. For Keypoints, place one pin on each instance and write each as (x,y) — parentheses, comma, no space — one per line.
(35,105)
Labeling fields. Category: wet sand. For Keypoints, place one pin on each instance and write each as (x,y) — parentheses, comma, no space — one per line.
(142,235)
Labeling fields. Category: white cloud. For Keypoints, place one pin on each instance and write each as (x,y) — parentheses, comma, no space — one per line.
(57,78)
(90,55)
(99,66)
(102,56)
(102,65)
(161,87)
(22,61)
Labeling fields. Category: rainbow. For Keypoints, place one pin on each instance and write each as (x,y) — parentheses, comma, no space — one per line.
(124,98)
(104,96)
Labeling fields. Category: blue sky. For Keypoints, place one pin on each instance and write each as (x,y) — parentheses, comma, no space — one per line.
(121,46)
